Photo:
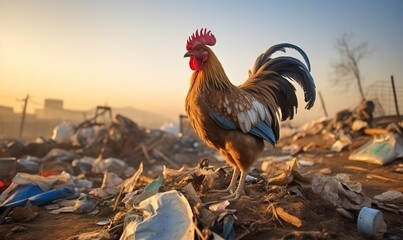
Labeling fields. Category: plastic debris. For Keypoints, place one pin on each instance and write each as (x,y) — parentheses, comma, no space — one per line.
(306,163)
(42,198)
(109,187)
(391,200)
(83,165)
(219,207)
(370,223)
(59,155)
(86,136)
(228,231)
(134,198)
(63,132)
(20,193)
(390,196)
(109,165)
(28,164)
(98,162)
(104,222)
(165,215)
(340,191)
(381,150)
(84,204)
(292,149)
(338,146)
(359,125)
(286,174)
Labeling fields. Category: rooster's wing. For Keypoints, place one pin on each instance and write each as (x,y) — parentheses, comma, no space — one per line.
(240,110)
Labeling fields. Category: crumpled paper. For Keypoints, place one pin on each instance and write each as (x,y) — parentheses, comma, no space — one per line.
(391,200)
(340,191)
(286,174)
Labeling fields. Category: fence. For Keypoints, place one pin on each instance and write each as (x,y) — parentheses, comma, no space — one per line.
(382,94)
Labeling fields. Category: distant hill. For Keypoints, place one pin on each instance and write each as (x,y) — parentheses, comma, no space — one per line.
(142,118)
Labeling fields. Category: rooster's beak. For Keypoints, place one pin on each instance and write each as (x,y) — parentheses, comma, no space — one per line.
(188,54)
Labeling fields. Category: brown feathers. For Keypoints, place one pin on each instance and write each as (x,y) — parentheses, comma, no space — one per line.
(212,76)
(236,120)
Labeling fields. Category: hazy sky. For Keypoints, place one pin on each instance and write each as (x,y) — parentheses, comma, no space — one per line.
(130,53)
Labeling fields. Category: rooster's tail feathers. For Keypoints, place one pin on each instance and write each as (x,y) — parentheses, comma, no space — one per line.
(280,47)
(270,77)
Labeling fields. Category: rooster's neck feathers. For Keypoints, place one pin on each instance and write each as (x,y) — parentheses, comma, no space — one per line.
(211,76)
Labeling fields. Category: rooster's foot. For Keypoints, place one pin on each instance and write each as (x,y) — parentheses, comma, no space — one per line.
(232,197)
(235,196)
(227,190)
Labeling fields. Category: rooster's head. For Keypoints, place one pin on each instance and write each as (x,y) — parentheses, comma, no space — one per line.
(196,48)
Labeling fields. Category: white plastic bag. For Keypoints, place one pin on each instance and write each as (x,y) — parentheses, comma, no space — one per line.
(63,132)
(381,150)
(166,215)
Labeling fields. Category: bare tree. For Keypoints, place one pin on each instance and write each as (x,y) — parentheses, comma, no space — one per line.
(347,69)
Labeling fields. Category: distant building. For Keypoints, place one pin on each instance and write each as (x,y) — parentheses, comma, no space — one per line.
(6,111)
(53,109)
(10,123)
(53,104)
(41,123)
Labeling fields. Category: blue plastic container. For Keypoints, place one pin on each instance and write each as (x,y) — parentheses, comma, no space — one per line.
(36,197)
(49,196)
(20,196)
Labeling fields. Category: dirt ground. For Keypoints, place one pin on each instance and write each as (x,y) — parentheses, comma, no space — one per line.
(254,215)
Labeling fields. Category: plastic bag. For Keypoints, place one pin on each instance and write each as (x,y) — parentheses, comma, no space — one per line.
(381,150)
(63,132)
(166,215)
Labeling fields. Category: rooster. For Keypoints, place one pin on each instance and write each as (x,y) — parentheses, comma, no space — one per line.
(236,120)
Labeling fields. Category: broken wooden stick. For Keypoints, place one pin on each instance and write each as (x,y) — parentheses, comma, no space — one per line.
(167,159)
(291,219)
(145,152)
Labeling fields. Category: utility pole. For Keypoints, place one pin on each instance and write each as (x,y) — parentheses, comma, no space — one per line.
(323,104)
(23,115)
(395,97)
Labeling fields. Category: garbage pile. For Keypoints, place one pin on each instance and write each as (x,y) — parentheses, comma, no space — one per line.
(374,140)
(80,164)
(95,147)
(178,205)
(157,185)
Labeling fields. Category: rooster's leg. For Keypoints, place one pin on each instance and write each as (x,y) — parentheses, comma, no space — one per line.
(240,189)
(232,185)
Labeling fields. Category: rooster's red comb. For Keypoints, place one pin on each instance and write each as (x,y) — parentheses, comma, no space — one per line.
(203,37)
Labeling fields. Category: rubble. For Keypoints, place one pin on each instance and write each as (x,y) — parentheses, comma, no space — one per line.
(130,182)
